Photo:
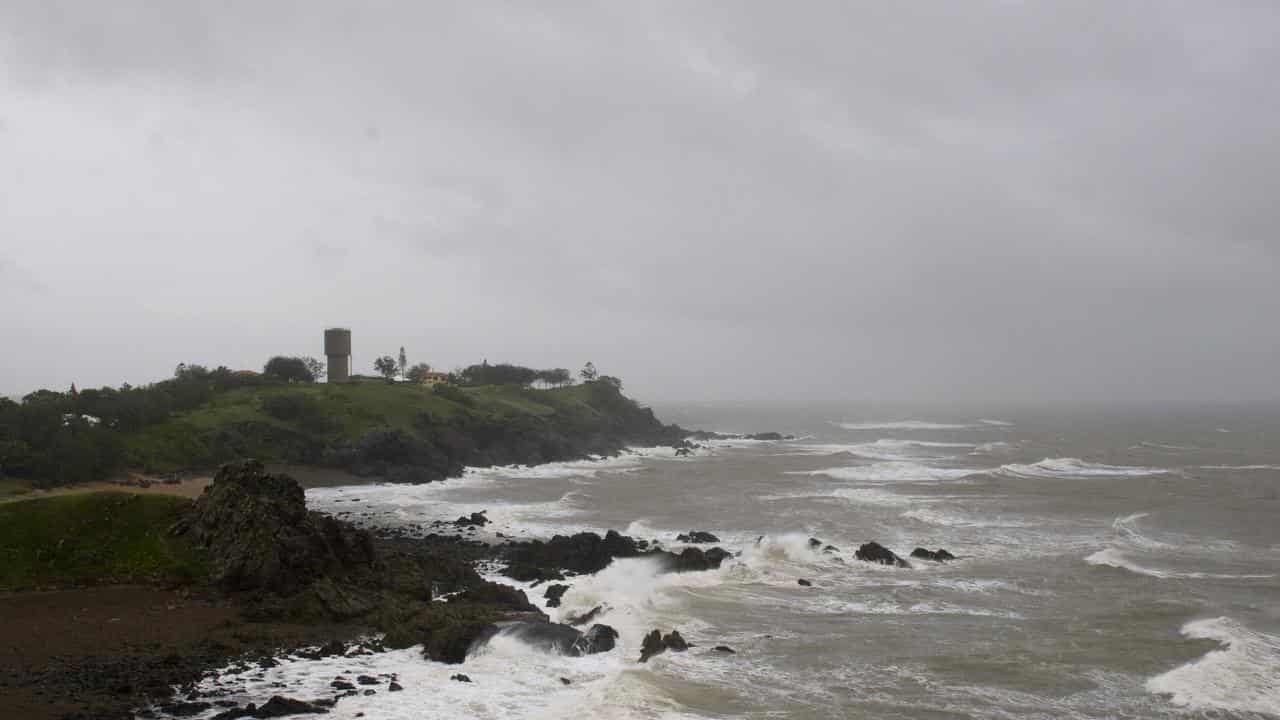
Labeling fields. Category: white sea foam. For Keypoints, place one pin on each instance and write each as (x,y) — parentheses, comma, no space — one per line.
(1126,529)
(1063,468)
(946,519)
(903,425)
(1112,557)
(993,448)
(997,423)
(883,449)
(889,472)
(1240,467)
(1240,677)
(1167,446)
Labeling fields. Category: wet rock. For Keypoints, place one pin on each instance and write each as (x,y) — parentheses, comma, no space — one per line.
(804,582)
(877,553)
(938,555)
(815,543)
(280,706)
(673,641)
(460,678)
(476,519)
(341,684)
(724,649)
(553,594)
(655,642)
(695,559)
(565,681)
(395,687)
(582,553)
(600,638)
(697,537)
(368,680)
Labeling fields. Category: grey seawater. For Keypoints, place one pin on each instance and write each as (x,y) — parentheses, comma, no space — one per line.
(1122,565)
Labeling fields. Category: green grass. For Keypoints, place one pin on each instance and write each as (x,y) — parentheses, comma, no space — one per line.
(93,538)
(347,411)
(12,487)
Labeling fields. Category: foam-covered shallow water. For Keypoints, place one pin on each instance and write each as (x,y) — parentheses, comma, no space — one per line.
(1107,567)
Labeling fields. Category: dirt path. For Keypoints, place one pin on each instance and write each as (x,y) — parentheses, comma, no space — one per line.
(188,488)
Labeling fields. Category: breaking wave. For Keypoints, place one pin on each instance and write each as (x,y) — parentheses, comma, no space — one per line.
(1065,468)
(1240,677)
(903,425)
(1111,557)
(888,472)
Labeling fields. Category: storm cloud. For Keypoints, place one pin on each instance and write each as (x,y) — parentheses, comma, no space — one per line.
(967,202)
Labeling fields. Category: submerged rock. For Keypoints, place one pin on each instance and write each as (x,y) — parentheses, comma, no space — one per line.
(938,555)
(554,637)
(804,582)
(877,553)
(586,617)
(460,678)
(697,537)
(724,649)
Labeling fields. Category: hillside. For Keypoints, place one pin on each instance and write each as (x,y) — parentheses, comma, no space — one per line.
(400,431)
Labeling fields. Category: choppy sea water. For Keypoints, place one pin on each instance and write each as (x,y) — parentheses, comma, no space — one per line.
(1110,566)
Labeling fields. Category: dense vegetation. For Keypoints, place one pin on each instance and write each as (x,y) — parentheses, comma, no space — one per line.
(404,431)
(93,538)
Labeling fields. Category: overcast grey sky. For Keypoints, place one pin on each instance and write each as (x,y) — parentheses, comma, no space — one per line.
(959,201)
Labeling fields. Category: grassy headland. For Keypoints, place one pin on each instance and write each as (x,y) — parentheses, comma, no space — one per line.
(93,538)
(400,431)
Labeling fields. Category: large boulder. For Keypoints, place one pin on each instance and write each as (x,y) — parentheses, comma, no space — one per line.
(938,555)
(259,535)
(697,537)
(876,553)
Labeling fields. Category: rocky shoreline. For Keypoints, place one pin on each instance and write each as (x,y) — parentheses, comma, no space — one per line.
(286,580)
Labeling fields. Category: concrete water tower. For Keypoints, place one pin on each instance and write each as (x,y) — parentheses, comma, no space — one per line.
(337,346)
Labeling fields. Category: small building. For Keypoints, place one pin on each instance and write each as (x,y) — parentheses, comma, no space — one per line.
(434,378)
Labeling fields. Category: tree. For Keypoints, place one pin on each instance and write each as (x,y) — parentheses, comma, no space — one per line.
(588,372)
(418,372)
(559,377)
(386,366)
(611,381)
(289,369)
(317,368)
(403,365)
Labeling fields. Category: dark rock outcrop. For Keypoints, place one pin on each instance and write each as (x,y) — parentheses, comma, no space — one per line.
(260,536)
(876,553)
(460,678)
(582,553)
(553,594)
(655,642)
(600,638)
(697,537)
(804,582)
(724,649)
(695,559)
(938,555)
(279,706)
(476,519)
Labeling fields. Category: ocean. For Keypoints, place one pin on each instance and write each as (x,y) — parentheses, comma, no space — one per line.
(1110,565)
